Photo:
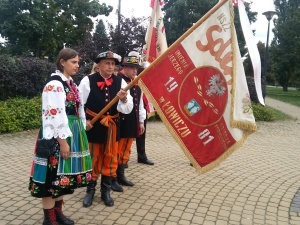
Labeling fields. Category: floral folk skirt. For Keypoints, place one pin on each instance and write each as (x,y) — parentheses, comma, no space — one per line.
(53,176)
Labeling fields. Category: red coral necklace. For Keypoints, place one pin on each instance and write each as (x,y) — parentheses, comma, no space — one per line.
(75,93)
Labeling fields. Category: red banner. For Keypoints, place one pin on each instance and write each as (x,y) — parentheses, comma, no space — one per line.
(192,87)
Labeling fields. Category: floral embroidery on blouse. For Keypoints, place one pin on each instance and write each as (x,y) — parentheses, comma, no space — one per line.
(70,101)
(55,120)
(53,88)
(50,112)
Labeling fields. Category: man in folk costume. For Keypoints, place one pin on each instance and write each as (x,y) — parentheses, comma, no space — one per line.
(132,124)
(141,141)
(98,90)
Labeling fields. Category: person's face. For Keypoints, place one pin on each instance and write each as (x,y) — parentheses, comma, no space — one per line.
(70,66)
(116,71)
(130,71)
(106,67)
(96,69)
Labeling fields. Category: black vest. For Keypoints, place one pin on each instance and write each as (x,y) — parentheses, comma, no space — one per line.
(130,122)
(96,101)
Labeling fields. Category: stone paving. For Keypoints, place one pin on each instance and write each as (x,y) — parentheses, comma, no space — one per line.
(257,185)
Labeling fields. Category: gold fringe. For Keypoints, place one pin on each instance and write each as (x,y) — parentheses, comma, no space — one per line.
(233,43)
(244,125)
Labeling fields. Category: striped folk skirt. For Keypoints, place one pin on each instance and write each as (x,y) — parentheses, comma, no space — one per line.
(54,176)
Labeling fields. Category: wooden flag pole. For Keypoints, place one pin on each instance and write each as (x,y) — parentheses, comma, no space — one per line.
(188,32)
(113,101)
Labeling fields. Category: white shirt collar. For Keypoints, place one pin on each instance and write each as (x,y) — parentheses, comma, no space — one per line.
(57,72)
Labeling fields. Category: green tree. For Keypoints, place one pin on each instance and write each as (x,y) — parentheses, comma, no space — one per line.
(101,30)
(88,50)
(40,28)
(131,35)
(93,44)
(190,12)
(285,51)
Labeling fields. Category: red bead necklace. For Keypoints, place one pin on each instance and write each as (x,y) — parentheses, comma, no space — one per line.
(75,93)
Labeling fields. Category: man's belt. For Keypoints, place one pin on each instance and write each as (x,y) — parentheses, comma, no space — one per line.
(111,147)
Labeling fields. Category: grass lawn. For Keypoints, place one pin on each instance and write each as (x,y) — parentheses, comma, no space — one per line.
(292,96)
(281,115)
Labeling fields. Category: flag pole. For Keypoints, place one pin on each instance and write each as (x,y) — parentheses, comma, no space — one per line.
(112,102)
(136,79)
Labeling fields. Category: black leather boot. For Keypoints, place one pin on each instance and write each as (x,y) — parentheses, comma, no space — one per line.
(115,186)
(105,190)
(141,149)
(121,176)
(90,192)
(60,217)
(49,217)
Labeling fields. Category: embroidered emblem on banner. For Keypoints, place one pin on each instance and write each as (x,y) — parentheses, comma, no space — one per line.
(203,92)
(192,107)
(216,86)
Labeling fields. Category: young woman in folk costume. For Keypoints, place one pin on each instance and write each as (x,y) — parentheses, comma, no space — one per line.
(63,118)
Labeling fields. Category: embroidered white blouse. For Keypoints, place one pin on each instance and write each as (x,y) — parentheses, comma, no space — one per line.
(54,117)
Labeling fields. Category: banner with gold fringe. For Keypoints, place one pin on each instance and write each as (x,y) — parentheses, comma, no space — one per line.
(198,87)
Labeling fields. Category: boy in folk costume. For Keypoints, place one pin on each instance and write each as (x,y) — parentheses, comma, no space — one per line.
(132,124)
(98,90)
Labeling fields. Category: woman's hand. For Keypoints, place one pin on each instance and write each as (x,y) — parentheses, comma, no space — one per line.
(64,148)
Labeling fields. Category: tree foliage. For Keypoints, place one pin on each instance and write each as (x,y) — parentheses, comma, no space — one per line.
(88,50)
(180,15)
(101,29)
(130,37)
(41,27)
(93,44)
(285,47)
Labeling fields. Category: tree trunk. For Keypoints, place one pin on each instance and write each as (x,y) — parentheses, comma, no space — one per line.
(285,87)
(37,50)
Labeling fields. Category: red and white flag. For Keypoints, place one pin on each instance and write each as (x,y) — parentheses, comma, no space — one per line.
(198,87)
(156,42)
(155,38)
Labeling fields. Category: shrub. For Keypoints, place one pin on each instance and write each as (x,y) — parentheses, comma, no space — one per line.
(18,114)
(263,113)
(23,76)
(26,76)
(155,117)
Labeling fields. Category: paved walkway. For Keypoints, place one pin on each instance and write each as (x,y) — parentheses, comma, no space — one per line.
(259,184)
